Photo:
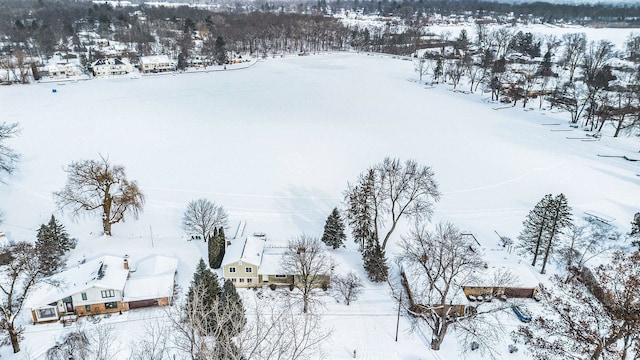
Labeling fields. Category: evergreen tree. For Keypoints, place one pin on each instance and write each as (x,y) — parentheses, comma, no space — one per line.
(52,244)
(222,246)
(210,286)
(231,306)
(543,225)
(534,228)
(438,70)
(559,218)
(212,249)
(635,230)
(544,69)
(375,262)
(334,235)
(220,51)
(361,212)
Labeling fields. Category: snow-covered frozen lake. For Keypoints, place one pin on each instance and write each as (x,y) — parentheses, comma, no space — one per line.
(276,144)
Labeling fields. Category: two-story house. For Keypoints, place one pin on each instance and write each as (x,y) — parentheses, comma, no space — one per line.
(105,285)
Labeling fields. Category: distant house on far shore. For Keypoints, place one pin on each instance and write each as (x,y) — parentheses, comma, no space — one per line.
(111,66)
(156,64)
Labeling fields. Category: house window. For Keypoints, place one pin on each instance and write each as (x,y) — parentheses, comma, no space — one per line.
(249,280)
(281,276)
(232,269)
(241,280)
(233,280)
(111,305)
(108,293)
(248,269)
(84,296)
(47,313)
(87,308)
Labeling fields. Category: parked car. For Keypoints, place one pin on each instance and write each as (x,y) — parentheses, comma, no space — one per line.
(521,313)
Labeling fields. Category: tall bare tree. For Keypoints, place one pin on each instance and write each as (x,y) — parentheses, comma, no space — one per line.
(573,51)
(438,262)
(100,186)
(391,190)
(19,272)
(202,217)
(308,260)
(8,158)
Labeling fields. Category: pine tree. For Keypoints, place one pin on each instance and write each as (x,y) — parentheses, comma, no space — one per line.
(334,235)
(222,246)
(635,230)
(212,249)
(534,228)
(52,244)
(559,219)
(375,262)
(231,306)
(210,286)
(361,211)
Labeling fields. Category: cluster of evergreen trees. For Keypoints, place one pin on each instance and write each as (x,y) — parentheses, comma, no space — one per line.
(543,226)
(219,309)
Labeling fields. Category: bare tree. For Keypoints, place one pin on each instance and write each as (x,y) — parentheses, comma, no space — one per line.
(8,158)
(422,67)
(154,344)
(308,260)
(273,331)
(348,287)
(93,342)
(100,186)
(593,319)
(437,262)
(392,190)
(202,217)
(454,69)
(20,271)
(596,57)
(574,48)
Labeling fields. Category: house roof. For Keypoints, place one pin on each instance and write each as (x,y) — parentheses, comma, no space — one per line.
(523,276)
(247,249)
(272,260)
(106,272)
(155,59)
(152,278)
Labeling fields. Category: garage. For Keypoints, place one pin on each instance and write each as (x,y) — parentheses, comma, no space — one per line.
(142,303)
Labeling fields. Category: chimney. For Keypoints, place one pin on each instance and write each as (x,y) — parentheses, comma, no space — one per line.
(126,262)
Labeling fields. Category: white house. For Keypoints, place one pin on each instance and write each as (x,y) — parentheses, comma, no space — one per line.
(157,63)
(103,285)
(111,66)
(61,70)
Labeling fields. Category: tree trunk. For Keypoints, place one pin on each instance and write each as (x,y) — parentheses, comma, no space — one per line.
(13,336)
(106,212)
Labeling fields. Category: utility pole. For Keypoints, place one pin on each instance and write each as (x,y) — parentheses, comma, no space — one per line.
(398,320)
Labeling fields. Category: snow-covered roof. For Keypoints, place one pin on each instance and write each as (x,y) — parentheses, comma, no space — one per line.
(523,275)
(106,272)
(271,261)
(248,250)
(152,278)
(155,59)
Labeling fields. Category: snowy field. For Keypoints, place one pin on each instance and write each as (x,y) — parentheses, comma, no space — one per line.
(276,144)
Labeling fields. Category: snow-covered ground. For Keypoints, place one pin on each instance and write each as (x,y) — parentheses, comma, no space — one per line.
(276,144)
